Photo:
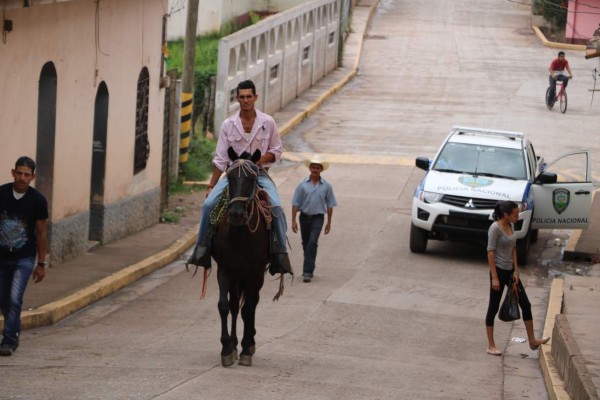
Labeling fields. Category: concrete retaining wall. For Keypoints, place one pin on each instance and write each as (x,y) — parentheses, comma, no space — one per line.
(284,55)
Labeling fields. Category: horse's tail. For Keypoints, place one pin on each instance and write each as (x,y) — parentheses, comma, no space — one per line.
(241,297)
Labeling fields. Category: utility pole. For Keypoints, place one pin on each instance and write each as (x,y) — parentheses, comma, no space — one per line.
(344,15)
(187,89)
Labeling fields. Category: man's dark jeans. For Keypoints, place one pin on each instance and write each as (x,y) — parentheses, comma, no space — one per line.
(14,275)
(310,229)
(551,94)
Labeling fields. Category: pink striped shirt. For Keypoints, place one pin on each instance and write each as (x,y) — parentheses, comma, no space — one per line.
(264,137)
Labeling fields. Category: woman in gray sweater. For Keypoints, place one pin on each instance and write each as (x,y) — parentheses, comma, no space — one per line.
(502,259)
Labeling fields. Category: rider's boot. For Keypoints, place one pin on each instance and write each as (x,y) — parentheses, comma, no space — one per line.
(280,261)
(201,256)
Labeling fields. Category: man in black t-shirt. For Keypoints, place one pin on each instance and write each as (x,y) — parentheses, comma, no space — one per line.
(23,217)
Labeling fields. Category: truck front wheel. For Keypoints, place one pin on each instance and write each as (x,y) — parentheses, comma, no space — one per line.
(418,239)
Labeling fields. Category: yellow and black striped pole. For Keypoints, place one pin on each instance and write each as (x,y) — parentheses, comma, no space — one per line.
(185,129)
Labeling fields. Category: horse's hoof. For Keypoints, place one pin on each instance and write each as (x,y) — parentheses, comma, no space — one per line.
(245,360)
(228,360)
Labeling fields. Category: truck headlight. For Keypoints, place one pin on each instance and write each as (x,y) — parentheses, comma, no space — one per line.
(430,197)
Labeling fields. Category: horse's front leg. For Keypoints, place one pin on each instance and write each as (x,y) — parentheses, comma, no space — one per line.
(228,353)
(248,315)
(234,309)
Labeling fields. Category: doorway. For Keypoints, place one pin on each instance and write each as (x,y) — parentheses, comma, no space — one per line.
(98,164)
(46,132)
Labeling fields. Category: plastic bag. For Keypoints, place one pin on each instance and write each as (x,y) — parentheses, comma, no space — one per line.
(509,311)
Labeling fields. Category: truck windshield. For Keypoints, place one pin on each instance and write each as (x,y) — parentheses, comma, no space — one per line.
(481,160)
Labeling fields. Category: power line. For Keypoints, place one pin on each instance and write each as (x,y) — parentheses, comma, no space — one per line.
(572,12)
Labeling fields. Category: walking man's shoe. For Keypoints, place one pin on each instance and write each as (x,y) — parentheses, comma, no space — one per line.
(7,349)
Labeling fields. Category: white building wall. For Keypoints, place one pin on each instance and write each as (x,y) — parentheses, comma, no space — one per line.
(87,46)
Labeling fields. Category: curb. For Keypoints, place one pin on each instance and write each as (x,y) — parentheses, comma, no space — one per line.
(51,313)
(556,45)
(301,116)
(554,383)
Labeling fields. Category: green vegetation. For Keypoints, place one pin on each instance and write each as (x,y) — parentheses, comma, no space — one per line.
(201,150)
(254,17)
(171,217)
(554,11)
(198,167)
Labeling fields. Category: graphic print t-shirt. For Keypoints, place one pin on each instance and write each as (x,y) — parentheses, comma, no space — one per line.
(18,221)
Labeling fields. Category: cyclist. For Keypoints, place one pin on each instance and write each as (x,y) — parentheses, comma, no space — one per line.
(556,72)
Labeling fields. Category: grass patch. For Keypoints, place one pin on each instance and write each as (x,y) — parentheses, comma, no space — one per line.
(170,217)
(198,167)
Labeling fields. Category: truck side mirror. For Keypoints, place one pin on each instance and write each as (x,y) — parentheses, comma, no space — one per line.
(546,177)
(423,163)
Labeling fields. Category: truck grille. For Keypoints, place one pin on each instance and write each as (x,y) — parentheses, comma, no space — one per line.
(460,201)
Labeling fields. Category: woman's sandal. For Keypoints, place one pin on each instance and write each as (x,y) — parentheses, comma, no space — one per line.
(540,342)
(494,353)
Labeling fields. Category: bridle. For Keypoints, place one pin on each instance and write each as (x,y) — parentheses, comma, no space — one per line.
(246,167)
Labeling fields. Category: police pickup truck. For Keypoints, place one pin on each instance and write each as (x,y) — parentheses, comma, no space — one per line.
(476,168)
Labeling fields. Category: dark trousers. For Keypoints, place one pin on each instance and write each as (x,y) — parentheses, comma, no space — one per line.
(505,278)
(551,94)
(310,229)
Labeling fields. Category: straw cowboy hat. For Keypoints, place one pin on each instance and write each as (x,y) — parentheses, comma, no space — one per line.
(316,159)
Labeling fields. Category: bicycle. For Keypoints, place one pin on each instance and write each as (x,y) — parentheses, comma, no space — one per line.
(560,95)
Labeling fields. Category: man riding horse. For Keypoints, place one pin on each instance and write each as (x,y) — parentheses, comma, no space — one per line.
(246,131)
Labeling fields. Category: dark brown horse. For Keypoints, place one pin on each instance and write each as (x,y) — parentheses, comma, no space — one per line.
(241,250)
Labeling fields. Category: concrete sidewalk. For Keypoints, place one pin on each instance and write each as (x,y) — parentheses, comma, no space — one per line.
(571,360)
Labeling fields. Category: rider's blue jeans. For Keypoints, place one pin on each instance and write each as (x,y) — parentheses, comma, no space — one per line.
(279,222)
(564,79)
(310,229)
(14,275)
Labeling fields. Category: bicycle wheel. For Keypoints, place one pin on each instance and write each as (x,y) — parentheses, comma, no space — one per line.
(563,101)
(549,105)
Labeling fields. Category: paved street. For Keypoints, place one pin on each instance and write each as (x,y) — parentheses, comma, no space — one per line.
(377,322)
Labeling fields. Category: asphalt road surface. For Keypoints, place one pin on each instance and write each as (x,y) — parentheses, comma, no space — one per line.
(377,322)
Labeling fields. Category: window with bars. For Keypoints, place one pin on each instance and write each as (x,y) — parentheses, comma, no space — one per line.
(142,145)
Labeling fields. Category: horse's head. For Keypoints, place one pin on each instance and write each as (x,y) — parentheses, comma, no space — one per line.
(243,176)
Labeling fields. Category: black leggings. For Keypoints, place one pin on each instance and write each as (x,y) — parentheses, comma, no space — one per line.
(505,278)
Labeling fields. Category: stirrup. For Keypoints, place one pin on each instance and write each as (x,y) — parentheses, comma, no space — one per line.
(280,264)
(200,257)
